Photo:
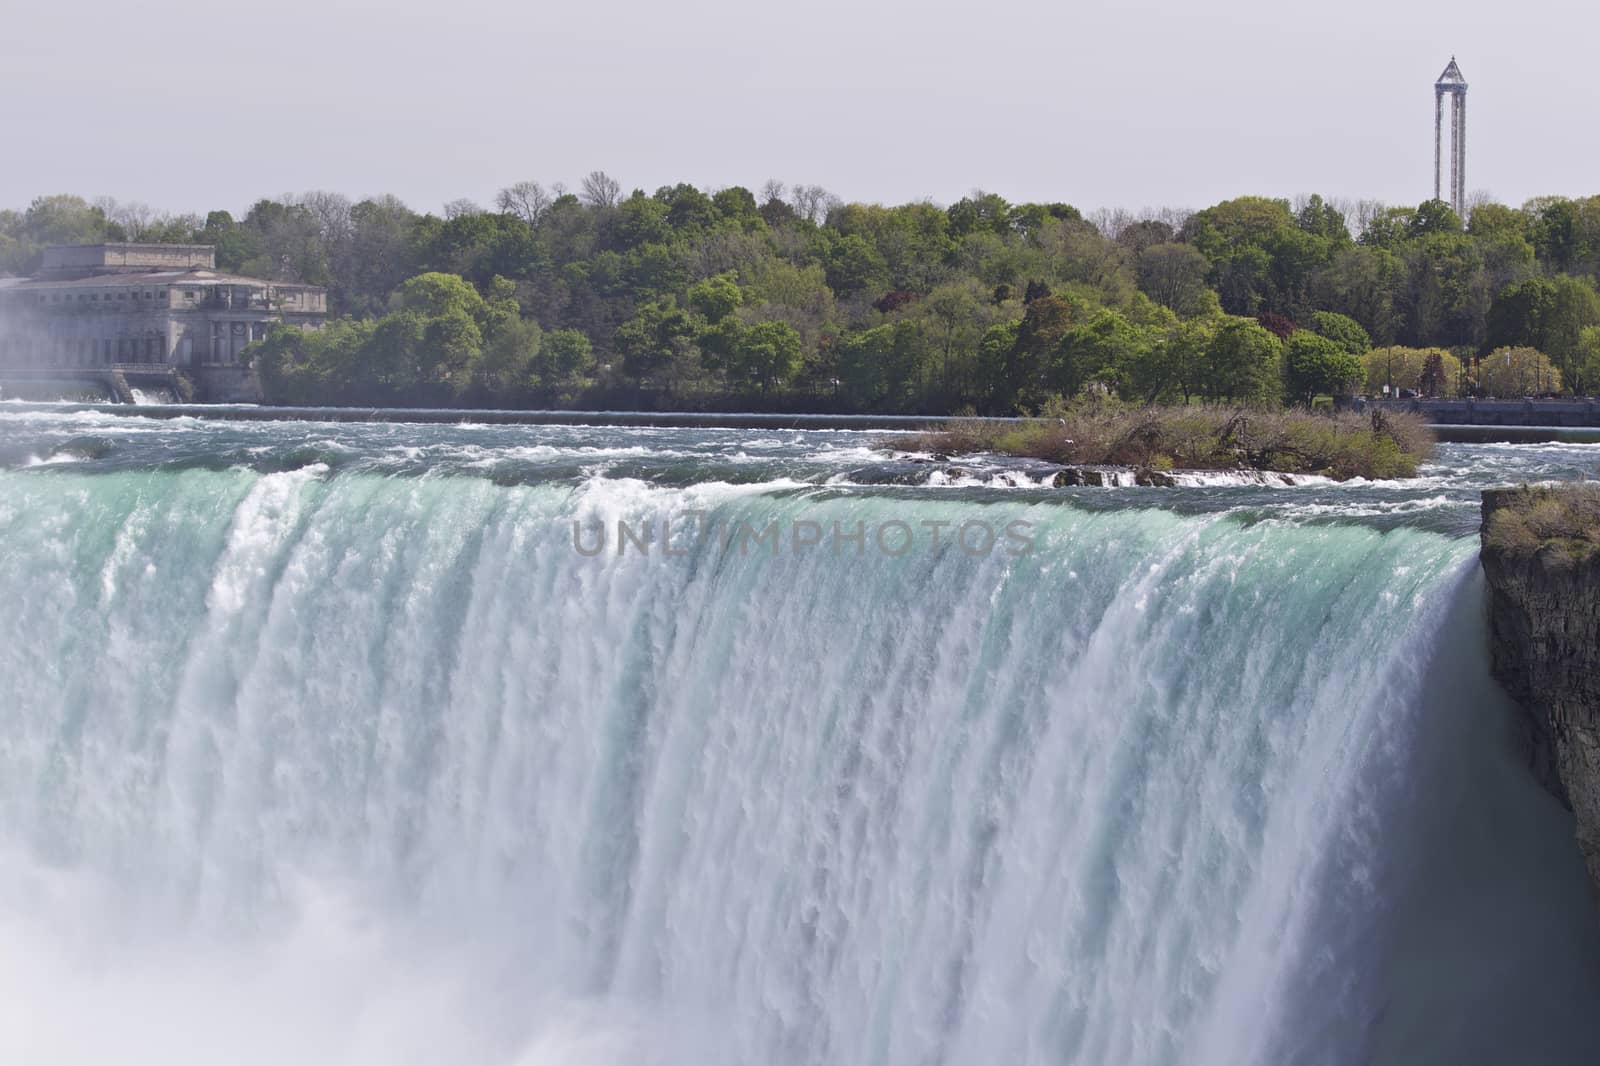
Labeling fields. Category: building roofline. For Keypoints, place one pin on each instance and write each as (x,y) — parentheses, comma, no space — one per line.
(157,277)
(131,244)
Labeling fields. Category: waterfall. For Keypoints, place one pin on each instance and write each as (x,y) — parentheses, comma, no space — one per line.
(340,768)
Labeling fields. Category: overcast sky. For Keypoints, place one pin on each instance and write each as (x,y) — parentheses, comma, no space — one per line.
(1099,103)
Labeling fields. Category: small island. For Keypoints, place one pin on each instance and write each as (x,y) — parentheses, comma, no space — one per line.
(1156,442)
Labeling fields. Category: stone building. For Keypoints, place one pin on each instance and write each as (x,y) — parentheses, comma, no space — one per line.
(146,305)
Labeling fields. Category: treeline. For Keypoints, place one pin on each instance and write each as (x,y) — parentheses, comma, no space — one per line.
(792,299)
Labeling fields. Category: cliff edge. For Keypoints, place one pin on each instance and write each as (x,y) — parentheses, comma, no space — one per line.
(1541,555)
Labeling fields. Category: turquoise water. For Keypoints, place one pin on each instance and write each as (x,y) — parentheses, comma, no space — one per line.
(331,744)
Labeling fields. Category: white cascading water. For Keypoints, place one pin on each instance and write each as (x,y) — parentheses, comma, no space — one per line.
(355,770)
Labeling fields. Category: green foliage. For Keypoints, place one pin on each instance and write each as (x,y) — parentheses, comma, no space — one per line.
(1432,216)
(679,295)
(766,355)
(658,344)
(855,267)
(1549,314)
(882,366)
(1315,365)
(565,358)
(1174,275)
(1584,377)
(716,298)
(436,294)
(1517,371)
(442,342)
(1409,368)
(1240,363)
(1262,258)
(1343,330)
(1561,523)
(1097,354)
(506,364)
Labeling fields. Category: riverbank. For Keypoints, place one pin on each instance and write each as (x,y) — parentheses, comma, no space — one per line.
(473,416)
(1159,439)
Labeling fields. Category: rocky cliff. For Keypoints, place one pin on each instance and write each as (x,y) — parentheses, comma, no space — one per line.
(1541,554)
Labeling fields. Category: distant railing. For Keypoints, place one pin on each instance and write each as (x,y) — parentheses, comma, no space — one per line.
(1471,411)
(47,373)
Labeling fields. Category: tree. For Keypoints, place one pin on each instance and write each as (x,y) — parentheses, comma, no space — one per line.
(658,345)
(687,207)
(1241,363)
(1323,220)
(435,294)
(527,200)
(1261,258)
(1432,381)
(1145,234)
(1166,368)
(505,368)
(882,367)
(601,189)
(1444,296)
(855,266)
(1174,275)
(1427,371)
(565,360)
(1097,353)
(1432,216)
(138,221)
(235,244)
(477,246)
(998,377)
(291,241)
(1585,373)
(980,211)
(812,203)
(959,312)
(716,298)
(1362,283)
(737,204)
(767,355)
(378,256)
(66,220)
(1520,371)
(1314,365)
(395,358)
(1343,330)
(1555,233)
(1278,325)
(1549,314)
(1497,221)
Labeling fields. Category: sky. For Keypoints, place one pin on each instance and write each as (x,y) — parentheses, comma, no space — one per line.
(1148,103)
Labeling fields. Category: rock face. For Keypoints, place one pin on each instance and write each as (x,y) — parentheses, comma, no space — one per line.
(1544,635)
